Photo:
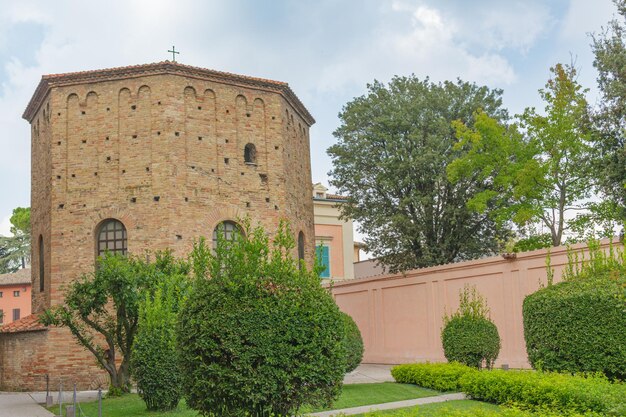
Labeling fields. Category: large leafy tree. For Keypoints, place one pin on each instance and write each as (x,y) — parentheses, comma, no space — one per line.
(101,309)
(609,48)
(541,169)
(394,144)
(15,250)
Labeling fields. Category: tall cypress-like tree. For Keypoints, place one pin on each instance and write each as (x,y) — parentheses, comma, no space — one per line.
(394,144)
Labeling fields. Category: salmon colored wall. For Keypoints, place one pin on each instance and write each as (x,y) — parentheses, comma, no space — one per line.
(8,302)
(334,233)
(400,316)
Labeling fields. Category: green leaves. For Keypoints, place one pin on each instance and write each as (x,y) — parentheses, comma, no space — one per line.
(393,147)
(352,343)
(258,335)
(15,250)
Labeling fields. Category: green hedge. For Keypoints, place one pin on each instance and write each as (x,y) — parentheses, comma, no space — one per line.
(473,341)
(577,326)
(352,343)
(547,391)
(437,376)
(449,410)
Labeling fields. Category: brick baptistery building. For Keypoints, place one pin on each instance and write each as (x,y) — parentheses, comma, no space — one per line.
(143,158)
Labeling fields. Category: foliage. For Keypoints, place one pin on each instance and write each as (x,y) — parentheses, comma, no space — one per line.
(541,168)
(533,242)
(438,376)
(352,343)
(609,48)
(258,335)
(578,325)
(15,250)
(394,145)
(468,335)
(102,308)
(155,353)
(541,391)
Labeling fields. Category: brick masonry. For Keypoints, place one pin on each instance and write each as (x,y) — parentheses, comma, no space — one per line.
(159,147)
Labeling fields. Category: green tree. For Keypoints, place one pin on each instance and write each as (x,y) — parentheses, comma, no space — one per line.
(15,250)
(258,335)
(541,169)
(101,309)
(609,48)
(394,145)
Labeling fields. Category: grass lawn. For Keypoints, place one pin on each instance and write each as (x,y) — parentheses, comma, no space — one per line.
(437,409)
(352,396)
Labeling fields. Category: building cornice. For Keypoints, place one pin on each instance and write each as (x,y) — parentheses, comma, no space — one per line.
(159,68)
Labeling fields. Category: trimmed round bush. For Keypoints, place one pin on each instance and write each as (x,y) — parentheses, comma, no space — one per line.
(472,341)
(352,343)
(258,335)
(578,325)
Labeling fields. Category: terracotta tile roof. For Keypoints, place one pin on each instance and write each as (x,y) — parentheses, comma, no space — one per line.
(157,68)
(22,276)
(335,197)
(25,324)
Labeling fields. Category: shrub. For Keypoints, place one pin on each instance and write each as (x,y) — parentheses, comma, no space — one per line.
(437,376)
(546,391)
(258,335)
(578,325)
(469,336)
(155,354)
(352,343)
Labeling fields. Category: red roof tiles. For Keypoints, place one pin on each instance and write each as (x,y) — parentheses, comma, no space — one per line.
(25,324)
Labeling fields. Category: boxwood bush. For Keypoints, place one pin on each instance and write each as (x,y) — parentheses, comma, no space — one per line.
(579,325)
(547,391)
(437,376)
(258,335)
(352,343)
(469,336)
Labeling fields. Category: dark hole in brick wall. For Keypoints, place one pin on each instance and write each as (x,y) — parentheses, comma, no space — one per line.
(199,107)
(199,137)
(82,112)
(133,107)
(73,175)
(267,199)
(147,169)
(193,167)
(159,103)
(227,111)
(95,174)
(273,117)
(58,177)
(61,206)
(226,160)
(84,141)
(247,204)
(275,207)
(134,136)
(186,199)
(179,237)
(263,177)
(58,114)
(133,199)
(276,147)
(157,198)
(242,173)
(107,138)
(123,171)
(176,133)
(59,143)
(247,114)
(212,170)
(108,109)
(158,133)
(226,141)
(108,158)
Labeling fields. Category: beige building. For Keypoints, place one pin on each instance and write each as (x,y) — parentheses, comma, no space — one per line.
(145,158)
(334,237)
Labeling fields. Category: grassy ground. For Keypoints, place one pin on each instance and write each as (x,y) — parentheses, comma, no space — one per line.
(436,409)
(352,396)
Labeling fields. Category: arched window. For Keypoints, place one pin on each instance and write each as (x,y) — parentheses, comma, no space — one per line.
(228,229)
(301,246)
(111,235)
(249,154)
(42,269)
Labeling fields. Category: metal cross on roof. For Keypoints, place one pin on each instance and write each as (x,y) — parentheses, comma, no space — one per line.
(174,52)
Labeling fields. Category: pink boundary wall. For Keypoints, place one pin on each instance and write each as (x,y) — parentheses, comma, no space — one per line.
(400,316)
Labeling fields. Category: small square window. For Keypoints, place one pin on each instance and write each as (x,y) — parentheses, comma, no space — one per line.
(0,294)
(16,314)
(16,293)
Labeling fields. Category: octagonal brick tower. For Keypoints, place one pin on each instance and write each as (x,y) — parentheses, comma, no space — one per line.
(167,150)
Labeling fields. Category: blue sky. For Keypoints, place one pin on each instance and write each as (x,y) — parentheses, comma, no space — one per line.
(326,50)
